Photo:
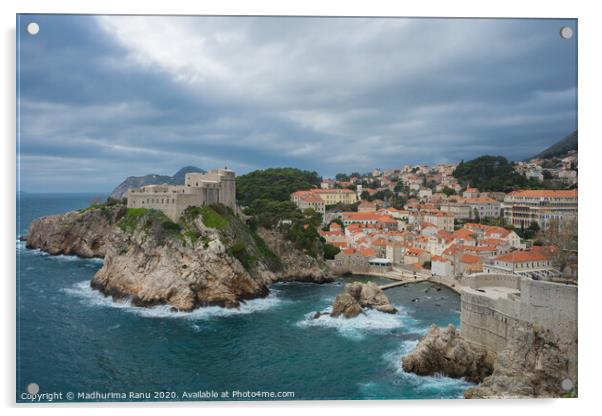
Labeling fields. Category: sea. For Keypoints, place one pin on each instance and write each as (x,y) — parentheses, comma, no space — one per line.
(74,344)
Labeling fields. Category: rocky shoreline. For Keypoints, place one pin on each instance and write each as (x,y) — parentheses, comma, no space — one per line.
(186,265)
(534,363)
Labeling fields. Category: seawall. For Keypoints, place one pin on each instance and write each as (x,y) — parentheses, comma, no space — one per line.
(492,305)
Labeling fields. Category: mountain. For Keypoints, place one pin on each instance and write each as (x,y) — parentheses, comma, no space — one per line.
(137,181)
(560,148)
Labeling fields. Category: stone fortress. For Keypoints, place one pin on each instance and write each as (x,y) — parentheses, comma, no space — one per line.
(215,186)
(493,305)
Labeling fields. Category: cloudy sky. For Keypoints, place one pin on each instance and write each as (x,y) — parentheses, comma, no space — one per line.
(102,98)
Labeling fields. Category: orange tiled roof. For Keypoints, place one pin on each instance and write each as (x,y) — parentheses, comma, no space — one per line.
(440,259)
(478,249)
(414,251)
(367,252)
(312,198)
(331,233)
(464,233)
(545,193)
(523,256)
(487,229)
(367,216)
(470,258)
(379,242)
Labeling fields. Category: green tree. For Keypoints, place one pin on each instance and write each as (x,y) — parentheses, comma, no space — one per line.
(448,191)
(476,216)
(275,184)
(492,173)
(330,251)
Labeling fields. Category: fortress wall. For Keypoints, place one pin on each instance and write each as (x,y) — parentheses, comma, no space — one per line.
(215,186)
(478,280)
(172,204)
(550,305)
(184,201)
(164,201)
(488,322)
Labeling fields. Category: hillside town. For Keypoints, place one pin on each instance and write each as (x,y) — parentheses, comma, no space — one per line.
(421,221)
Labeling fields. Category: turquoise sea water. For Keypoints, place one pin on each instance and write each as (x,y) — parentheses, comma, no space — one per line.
(72,339)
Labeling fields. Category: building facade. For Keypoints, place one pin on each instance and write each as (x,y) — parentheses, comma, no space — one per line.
(521,208)
(329,196)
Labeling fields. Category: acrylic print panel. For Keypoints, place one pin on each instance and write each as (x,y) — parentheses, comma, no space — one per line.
(287,208)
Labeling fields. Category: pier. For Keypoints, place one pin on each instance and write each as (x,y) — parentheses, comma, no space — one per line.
(402,282)
(403,277)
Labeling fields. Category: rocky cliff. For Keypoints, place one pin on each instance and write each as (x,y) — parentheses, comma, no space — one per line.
(295,265)
(358,296)
(534,363)
(208,258)
(155,261)
(82,233)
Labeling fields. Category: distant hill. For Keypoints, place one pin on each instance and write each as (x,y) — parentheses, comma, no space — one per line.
(560,148)
(152,179)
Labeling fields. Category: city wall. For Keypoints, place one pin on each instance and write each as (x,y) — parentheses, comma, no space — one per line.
(487,321)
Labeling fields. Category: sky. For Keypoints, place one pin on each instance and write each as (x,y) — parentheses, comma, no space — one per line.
(101,98)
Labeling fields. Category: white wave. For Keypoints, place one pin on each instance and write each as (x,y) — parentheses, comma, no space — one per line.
(22,249)
(93,297)
(434,383)
(355,328)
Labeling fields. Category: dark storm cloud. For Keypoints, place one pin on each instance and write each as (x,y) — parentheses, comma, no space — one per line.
(103,98)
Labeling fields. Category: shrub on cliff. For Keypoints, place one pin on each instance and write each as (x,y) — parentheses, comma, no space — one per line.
(152,221)
(241,241)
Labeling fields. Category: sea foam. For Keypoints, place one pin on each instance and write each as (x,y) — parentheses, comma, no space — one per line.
(93,297)
(23,250)
(356,328)
(437,385)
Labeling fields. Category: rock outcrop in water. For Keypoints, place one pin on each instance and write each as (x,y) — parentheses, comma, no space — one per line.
(153,262)
(444,351)
(358,296)
(82,233)
(208,258)
(534,363)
